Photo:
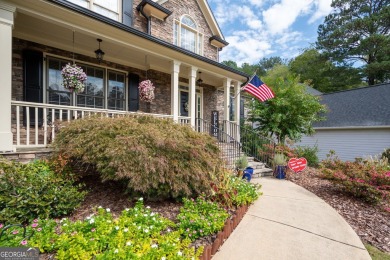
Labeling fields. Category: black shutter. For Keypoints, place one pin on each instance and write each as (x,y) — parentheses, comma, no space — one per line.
(127,12)
(133,95)
(33,83)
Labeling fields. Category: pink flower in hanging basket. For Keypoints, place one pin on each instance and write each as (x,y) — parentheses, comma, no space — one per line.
(73,78)
(146,91)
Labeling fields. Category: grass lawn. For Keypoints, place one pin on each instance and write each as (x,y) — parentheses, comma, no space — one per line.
(376,254)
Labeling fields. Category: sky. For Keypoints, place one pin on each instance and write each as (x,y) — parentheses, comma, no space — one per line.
(257,29)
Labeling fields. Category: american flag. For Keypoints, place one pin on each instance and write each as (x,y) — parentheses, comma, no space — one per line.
(257,88)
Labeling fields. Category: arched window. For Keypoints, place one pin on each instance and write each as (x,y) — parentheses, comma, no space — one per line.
(187,35)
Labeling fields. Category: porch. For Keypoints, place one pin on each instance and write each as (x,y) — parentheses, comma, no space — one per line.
(32,99)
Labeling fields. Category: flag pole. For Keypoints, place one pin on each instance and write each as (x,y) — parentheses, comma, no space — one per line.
(253,75)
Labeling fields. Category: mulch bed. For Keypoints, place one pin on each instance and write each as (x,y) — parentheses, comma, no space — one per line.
(370,222)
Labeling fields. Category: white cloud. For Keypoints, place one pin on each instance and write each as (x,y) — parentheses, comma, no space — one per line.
(323,9)
(259,28)
(246,46)
(281,16)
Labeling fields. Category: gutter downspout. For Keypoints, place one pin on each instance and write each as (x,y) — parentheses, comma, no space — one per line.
(149,24)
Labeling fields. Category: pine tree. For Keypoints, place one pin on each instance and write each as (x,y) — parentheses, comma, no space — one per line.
(358,30)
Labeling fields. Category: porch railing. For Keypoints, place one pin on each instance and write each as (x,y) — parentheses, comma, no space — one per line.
(183,120)
(253,144)
(230,147)
(34,124)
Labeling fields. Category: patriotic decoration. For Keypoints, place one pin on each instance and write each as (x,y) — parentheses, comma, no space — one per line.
(257,88)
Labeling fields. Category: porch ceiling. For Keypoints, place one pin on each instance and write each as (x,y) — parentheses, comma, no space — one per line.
(51,25)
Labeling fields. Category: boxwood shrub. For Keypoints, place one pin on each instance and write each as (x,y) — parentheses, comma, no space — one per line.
(33,190)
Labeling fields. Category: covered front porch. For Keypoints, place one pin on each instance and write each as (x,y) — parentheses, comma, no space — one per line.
(40,37)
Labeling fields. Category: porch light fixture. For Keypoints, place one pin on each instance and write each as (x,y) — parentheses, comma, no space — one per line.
(99,53)
(199,81)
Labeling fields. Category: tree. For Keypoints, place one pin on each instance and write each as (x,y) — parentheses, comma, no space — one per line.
(291,113)
(322,74)
(265,64)
(230,63)
(358,30)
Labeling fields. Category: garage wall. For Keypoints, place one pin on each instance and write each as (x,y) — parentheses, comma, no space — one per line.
(349,144)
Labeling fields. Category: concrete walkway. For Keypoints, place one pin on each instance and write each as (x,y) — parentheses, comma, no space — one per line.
(289,222)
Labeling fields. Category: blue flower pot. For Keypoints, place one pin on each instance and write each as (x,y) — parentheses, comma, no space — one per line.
(280,172)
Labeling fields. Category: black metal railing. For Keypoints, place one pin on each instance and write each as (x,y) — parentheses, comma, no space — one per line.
(229,146)
(253,144)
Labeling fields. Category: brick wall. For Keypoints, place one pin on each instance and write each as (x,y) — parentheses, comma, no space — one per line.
(164,29)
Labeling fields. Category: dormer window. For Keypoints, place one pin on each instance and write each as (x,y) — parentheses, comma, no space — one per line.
(187,35)
(108,8)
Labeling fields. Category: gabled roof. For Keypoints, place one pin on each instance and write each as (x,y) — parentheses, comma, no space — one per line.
(360,107)
(212,22)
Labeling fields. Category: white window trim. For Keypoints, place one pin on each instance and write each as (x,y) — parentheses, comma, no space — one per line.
(91,3)
(106,69)
(199,47)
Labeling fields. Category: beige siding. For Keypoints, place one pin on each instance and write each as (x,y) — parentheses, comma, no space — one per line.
(349,144)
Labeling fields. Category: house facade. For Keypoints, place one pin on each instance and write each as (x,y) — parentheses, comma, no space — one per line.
(357,124)
(173,43)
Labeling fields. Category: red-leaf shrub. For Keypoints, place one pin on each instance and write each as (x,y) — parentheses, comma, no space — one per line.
(155,157)
(367,180)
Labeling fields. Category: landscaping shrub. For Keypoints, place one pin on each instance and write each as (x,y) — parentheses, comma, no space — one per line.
(309,153)
(270,150)
(230,191)
(33,190)
(200,218)
(386,154)
(366,180)
(138,233)
(155,157)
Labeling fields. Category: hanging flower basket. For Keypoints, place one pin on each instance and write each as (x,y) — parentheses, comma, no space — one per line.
(146,91)
(73,78)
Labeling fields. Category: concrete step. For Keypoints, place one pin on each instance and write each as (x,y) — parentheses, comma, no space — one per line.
(257,165)
(262,172)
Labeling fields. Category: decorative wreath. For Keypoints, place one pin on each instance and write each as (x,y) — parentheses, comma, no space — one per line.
(73,78)
(146,91)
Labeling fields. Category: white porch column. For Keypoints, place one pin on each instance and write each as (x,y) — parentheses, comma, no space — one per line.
(175,90)
(237,104)
(6,24)
(226,88)
(192,94)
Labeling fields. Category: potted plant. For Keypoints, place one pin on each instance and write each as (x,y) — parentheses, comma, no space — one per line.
(279,163)
(73,78)
(146,91)
(241,164)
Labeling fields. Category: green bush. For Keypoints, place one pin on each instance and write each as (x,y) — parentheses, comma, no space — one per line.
(33,190)
(310,153)
(138,233)
(154,157)
(200,218)
(386,154)
(230,191)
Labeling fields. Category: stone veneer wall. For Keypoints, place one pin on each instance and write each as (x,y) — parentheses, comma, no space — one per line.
(164,29)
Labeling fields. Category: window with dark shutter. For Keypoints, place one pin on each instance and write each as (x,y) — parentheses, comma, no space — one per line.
(33,83)
(133,92)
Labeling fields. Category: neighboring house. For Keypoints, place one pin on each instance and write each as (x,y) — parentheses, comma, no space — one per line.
(357,124)
(174,43)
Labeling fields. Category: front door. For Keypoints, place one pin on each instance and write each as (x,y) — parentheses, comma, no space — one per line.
(185,104)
